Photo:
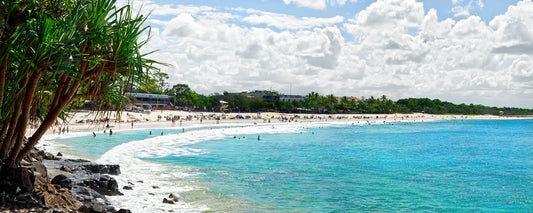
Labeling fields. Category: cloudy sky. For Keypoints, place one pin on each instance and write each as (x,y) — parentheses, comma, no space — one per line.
(463,51)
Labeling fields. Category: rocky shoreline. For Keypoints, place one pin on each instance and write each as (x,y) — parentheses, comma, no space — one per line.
(78,186)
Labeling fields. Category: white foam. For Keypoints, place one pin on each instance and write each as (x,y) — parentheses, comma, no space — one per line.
(169,177)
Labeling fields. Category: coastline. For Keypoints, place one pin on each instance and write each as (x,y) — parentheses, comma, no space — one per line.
(86,122)
(198,122)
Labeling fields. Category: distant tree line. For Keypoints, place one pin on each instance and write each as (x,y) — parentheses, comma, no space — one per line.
(183,96)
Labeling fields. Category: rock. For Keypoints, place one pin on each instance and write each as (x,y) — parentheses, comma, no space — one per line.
(103,169)
(151,193)
(97,208)
(168,201)
(25,163)
(104,185)
(66,169)
(50,156)
(123,211)
(39,167)
(59,199)
(18,180)
(155,187)
(78,160)
(83,209)
(127,188)
(59,154)
(85,194)
(173,197)
(63,181)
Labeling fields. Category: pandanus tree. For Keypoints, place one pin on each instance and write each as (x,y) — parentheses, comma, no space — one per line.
(55,52)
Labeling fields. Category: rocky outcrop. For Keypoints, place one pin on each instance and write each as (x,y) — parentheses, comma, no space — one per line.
(80,188)
(103,184)
(171,199)
(102,169)
(90,182)
(62,181)
(22,191)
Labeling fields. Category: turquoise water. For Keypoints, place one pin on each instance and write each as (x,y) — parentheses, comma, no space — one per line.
(444,166)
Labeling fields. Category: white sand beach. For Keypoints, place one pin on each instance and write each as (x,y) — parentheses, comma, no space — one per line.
(87,121)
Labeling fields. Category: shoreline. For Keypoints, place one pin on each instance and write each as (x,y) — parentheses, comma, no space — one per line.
(86,121)
(196,124)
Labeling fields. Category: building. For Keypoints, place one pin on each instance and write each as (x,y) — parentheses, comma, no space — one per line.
(265,95)
(223,106)
(291,98)
(151,101)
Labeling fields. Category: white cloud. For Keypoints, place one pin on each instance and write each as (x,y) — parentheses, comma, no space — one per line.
(463,10)
(313,4)
(398,49)
(283,21)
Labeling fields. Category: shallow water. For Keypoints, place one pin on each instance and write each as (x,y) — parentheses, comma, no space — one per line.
(458,166)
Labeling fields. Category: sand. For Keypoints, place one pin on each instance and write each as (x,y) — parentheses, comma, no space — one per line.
(86,121)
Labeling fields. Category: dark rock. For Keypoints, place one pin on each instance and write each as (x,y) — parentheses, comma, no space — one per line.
(103,169)
(95,208)
(127,188)
(83,209)
(155,187)
(50,156)
(63,181)
(173,197)
(78,160)
(18,180)
(85,194)
(151,193)
(59,154)
(65,168)
(104,185)
(123,211)
(168,201)
(140,181)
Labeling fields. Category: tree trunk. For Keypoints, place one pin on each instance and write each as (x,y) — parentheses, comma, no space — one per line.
(48,121)
(8,139)
(24,118)
(3,68)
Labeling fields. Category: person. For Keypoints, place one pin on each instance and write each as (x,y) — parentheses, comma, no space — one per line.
(161,133)
(110,132)
(94,135)
(259,137)
(150,132)
(132,124)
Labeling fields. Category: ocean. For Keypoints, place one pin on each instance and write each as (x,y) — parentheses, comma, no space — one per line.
(431,166)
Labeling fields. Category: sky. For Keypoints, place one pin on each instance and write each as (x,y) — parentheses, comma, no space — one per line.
(462,51)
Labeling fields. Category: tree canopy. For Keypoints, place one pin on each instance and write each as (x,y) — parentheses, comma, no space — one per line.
(54,52)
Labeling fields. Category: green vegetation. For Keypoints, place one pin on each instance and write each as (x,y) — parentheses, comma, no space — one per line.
(56,54)
(316,103)
(437,106)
